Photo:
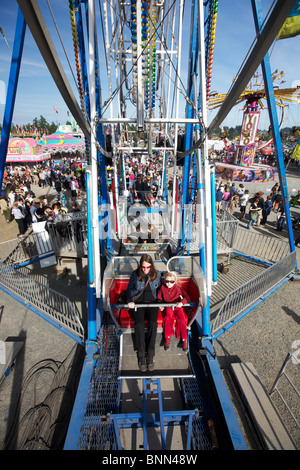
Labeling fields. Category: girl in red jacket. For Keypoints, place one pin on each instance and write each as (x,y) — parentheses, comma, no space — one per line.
(171,292)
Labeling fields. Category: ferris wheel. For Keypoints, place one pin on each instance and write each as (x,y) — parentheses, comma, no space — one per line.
(149,64)
(145,49)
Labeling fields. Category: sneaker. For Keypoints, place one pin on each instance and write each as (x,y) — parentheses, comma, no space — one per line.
(150,363)
(184,346)
(142,364)
(167,344)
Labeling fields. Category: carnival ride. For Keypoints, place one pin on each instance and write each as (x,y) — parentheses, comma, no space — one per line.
(238,164)
(143,48)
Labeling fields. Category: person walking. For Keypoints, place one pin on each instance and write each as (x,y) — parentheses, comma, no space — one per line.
(243,203)
(4,209)
(260,206)
(226,197)
(19,218)
(267,209)
(219,197)
(253,213)
(280,217)
(241,190)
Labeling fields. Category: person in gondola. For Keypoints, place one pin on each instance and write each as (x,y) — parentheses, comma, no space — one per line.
(147,192)
(142,289)
(138,189)
(149,236)
(171,292)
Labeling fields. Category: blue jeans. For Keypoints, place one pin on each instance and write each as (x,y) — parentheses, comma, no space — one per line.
(145,345)
(280,223)
(251,222)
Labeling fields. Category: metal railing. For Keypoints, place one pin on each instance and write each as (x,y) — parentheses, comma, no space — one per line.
(69,235)
(20,250)
(48,301)
(248,293)
(261,246)
(226,231)
(286,388)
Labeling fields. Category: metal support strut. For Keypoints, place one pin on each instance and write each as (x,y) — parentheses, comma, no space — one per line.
(144,420)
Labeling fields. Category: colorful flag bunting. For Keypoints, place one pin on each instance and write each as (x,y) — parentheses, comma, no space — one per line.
(296,153)
(291,26)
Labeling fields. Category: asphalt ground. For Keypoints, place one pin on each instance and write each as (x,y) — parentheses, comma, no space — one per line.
(41,389)
(265,336)
(50,362)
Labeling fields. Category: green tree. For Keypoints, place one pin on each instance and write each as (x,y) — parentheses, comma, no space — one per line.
(44,125)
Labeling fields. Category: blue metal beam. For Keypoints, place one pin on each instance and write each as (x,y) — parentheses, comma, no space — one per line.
(12,89)
(233,426)
(72,438)
(267,74)
(104,199)
(189,114)
(214,229)
(91,291)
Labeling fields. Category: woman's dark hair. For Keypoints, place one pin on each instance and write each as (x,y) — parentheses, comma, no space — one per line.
(152,273)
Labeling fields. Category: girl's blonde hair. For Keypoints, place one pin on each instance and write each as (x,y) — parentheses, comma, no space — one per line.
(172,274)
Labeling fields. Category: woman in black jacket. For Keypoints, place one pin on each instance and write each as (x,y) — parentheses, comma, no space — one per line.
(142,288)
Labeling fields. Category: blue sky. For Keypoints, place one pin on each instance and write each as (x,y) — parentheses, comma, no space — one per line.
(37,93)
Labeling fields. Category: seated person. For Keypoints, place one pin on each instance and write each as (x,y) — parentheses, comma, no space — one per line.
(171,292)
(147,192)
(139,188)
(143,237)
(142,289)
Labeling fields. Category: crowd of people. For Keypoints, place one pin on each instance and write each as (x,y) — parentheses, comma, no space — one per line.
(256,208)
(143,182)
(18,200)
(143,179)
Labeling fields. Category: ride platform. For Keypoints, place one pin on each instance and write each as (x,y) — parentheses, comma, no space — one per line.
(245,174)
(172,363)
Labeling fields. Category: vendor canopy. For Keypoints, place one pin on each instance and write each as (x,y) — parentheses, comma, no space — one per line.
(24,150)
(63,143)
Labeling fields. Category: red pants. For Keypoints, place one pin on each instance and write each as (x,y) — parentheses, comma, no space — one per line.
(168,322)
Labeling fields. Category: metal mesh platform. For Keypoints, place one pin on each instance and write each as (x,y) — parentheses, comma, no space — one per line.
(171,363)
(103,396)
(108,396)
